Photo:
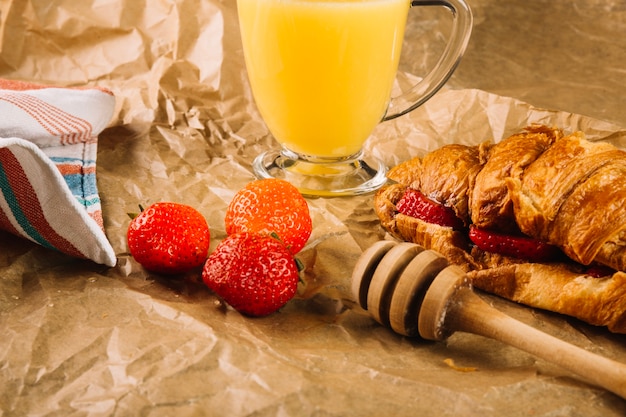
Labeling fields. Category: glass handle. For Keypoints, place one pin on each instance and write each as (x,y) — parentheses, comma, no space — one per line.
(449,60)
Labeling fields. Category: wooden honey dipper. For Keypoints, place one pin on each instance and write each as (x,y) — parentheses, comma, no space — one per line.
(417,293)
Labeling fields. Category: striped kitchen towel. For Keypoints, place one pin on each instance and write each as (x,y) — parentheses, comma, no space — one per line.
(48,144)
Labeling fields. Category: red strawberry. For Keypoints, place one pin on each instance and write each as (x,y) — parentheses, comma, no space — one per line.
(522,247)
(415,204)
(256,274)
(599,271)
(169,238)
(271,206)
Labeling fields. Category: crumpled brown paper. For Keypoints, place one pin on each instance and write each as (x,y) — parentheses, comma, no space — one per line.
(81,339)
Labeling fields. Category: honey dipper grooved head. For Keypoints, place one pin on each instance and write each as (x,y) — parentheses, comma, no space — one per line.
(390,280)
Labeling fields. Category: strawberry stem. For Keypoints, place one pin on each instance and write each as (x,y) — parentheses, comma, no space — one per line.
(133,215)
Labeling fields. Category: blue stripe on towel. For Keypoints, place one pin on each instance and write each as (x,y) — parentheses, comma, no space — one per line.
(70,160)
(89,202)
(82,185)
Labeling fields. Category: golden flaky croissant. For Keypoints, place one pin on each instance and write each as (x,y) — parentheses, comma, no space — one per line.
(560,190)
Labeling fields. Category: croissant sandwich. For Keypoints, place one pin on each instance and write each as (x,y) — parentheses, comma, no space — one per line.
(538,218)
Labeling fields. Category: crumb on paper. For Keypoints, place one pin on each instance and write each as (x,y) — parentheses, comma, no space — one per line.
(451,364)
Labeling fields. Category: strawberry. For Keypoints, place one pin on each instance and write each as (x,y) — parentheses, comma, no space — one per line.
(415,204)
(255,274)
(169,238)
(522,247)
(599,271)
(271,206)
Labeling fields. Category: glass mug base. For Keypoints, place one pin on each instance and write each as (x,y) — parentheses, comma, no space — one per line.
(358,174)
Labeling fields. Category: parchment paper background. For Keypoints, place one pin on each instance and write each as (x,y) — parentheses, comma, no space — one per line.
(78,339)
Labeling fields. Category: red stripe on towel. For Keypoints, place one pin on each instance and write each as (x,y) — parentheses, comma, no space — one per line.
(97,216)
(69,128)
(73,169)
(16,85)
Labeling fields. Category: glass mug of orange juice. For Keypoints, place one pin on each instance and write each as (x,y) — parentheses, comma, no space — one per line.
(322,72)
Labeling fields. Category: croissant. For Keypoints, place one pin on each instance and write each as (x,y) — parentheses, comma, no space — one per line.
(559,189)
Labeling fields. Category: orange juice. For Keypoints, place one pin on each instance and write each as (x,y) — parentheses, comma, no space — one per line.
(321,71)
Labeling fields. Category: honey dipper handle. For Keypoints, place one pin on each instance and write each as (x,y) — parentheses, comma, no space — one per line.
(469,313)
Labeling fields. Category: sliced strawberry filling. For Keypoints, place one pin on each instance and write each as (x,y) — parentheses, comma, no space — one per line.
(599,271)
(415,204)
(517,246)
